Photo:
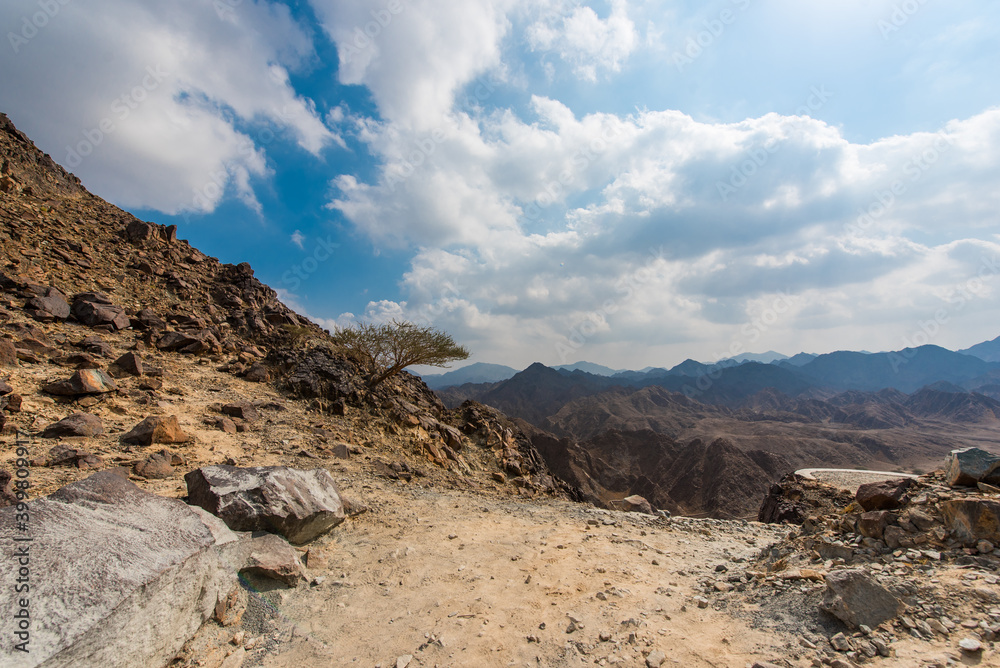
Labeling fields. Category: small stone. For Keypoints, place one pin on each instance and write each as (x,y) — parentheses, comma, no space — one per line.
(404,661)
(130,363)
(840,642)
(655,658)
(970,645)
(984,547)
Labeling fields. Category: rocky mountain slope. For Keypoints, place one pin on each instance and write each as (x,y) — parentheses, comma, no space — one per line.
(131,365)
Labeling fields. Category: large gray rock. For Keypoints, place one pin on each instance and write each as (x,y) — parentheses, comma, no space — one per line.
(119,577)
(299,505)
(970,466)
(856,599)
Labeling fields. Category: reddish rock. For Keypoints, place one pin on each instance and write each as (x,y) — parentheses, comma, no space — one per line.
(75,425)
(48,306)
(13,403)
(8,353)
(272,557)
(156,429)
(226,425)
(147,319)
(5,388)
(158,465)
(62,455)
(873,524)
(95,345)
(130,363)
(258,373)
(638,504)
(85,381)
(886,495)
(7,497)
(95,309)
(243,410)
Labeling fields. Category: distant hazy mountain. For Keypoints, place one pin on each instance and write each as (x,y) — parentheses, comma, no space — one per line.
(479,372)
(588,367)
(800,359)
(764,358)
(988,351)
(906,370)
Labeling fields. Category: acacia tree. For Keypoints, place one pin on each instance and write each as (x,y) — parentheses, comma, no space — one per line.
(391,347)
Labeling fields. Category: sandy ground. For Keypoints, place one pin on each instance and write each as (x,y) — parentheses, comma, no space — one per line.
(452,579)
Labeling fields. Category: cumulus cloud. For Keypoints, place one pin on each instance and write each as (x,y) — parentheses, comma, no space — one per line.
(152,109)
(585,41)
(658,232)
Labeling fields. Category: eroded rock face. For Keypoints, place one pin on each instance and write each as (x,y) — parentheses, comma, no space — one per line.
(856,599)
(299,505)
(127,591)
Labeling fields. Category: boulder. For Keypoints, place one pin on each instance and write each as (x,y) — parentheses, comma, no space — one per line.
(5,388)
(95,309)
(48,306)
(158,465)
(130,363)
(872,524)
(8,353)
(156,429)
(188,342)
(147,319)
(972,520)
(95,345)
(84,381)
(856,599)
(885,495)
(75,425)
(638,504)
(129,590)
(299,505)
(243,410)
(971,465)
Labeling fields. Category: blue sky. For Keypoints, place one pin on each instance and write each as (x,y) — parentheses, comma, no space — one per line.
(627,183)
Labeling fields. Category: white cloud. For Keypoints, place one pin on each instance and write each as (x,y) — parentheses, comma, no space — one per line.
(585,41)
(149,109)
(298,239)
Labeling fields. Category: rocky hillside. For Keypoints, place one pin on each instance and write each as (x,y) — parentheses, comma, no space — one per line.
(112,321)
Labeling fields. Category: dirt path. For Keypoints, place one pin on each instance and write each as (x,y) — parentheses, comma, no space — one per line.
(457,580)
